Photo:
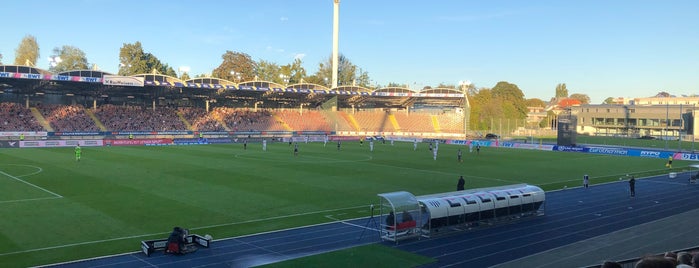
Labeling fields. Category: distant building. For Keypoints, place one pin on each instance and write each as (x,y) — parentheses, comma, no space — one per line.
(662,118)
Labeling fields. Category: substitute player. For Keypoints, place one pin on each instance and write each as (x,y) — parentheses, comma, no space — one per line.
(264,145)
(459,155)
(669,162)
(78,152)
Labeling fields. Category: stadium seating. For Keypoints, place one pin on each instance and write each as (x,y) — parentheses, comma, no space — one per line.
(451,123)
(136,118)
(414,122)
(67,118)
(374,121)
(310,120)
(15,117)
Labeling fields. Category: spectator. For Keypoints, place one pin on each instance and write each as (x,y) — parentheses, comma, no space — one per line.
(610,264)
(460,185)
(684,260)
(655,262)
(406,216)
(390,221)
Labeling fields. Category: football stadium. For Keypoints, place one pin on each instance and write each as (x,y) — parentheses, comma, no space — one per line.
(256,164)
(261,174)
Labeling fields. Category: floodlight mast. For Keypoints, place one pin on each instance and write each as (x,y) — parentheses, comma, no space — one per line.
(336,33)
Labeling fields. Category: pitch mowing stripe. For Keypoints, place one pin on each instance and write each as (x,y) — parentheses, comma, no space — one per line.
(35,186)
(165,233)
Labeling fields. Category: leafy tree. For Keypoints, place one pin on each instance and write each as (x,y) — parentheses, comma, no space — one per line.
(484,108)
(67,58)
(561,91)
(583,98)
(295,71)
(347,72)
(608,100)
(546,122)
(27,53)
(0,58)
(315,79)
(534,102)
(363,79)
(185,76)
(133,60)
(269,71)
(234,65)
(662,94)
(512,100)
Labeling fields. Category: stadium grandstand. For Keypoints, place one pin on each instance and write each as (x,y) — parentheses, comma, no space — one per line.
(154,104)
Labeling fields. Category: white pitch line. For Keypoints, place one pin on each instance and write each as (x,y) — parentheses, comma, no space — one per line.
(153,234)
(25,182)
(30,199)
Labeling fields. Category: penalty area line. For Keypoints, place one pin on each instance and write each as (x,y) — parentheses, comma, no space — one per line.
(32,185)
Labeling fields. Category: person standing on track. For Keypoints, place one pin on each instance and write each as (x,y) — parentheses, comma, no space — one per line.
(586,181)
(632,186)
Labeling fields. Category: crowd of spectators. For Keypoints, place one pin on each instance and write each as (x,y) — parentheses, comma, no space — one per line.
(136,118)
(66,118)
(75,118)
(201,120)
(15,117)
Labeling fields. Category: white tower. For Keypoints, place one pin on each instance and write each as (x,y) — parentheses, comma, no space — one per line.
(336,32)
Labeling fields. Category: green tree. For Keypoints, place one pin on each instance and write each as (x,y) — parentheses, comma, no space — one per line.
(269,71)
(133,60)
(185,76)
(0,58)
(295,71)
(534,102)
(485,107)
(235,65)
(67,58)
(608,100)
(546,122)
(561,91)
(583,98)
(363,79)
(347,72)
(512,100)
(27,53)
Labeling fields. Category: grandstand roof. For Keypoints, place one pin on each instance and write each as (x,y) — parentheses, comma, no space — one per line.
(85,73)
(22,69)
(30,82)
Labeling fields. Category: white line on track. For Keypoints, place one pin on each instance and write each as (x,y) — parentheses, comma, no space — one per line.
(352,224)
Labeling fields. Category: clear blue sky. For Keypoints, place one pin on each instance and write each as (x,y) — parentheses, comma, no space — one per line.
(600,48)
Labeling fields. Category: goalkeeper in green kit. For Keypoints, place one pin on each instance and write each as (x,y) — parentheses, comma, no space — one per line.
(78,151)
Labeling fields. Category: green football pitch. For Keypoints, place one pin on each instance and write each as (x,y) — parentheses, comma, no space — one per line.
(56,209)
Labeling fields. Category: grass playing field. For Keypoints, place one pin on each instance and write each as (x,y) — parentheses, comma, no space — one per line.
(56,209)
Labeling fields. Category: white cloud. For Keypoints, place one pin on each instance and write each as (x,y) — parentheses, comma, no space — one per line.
(283,19)
(299,56)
